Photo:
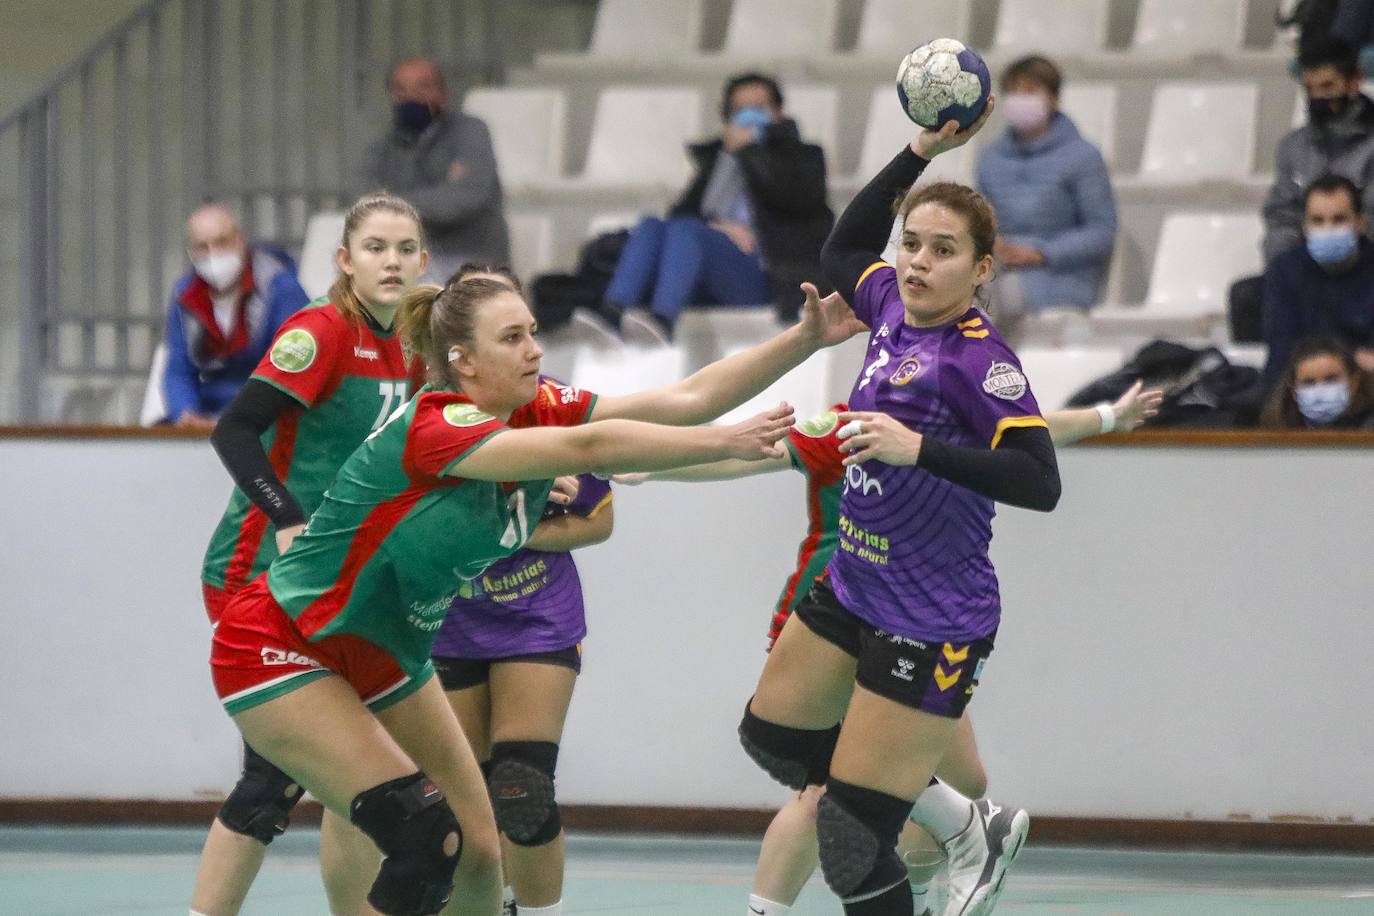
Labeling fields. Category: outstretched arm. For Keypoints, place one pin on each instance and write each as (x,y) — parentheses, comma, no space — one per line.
(1130,410)
(729,469)
(561,533)
(729,382)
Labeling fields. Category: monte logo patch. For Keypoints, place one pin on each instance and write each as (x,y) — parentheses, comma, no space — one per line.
(464,415)
(294,351)
(1004,381)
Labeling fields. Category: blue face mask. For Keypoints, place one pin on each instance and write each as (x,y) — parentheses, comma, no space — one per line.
(757,119)
(1331,246)
(1323,402)
(413,117)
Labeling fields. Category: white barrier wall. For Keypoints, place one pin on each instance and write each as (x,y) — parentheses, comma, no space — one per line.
(1187,636)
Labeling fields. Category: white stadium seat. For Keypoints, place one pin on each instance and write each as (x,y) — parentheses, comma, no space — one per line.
(1200,132)
(526,132)
(1183,28)
(620,370)
(1056,373)
(891,28)
(531,244)
(323,232)
(1058,27)
(1198,256)
(646,29)
(889,130)
(639,136)
(816,111)
(786,29)
(1092,106)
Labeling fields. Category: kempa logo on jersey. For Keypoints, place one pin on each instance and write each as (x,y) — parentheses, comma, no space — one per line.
(283,657)
(1004,381)
(363,353)
(294,351)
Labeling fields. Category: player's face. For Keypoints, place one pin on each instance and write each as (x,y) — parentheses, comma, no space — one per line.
(384,259)
(937,269)
(504,356)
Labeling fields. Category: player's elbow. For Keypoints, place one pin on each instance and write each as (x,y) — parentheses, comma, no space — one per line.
(1047,492)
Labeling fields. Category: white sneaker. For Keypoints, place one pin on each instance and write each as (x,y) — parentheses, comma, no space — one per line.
(643,327)
(980,856)
(596,325)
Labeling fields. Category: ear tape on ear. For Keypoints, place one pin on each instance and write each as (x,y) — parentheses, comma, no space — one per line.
(453,354)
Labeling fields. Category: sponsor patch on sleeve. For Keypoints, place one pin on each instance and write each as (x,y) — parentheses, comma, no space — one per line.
(464,415)
(1004,381)
(294,351)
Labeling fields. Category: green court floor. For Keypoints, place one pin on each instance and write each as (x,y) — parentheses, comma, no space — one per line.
(96,871)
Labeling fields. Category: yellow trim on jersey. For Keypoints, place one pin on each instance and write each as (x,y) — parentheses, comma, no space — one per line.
(605,501)
(1007,423)
(971,323)
(977,335)
(864,276)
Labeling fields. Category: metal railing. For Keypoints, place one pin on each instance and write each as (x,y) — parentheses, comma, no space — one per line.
(262,104)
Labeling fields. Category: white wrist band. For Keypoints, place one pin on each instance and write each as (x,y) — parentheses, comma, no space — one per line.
(1108,415)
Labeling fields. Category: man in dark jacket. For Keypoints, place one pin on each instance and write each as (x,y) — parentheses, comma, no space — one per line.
(1323,285)
(441,161)
(747,230)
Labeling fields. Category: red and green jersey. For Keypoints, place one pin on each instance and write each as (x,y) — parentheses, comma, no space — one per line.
(814,448)
(396,538)
(347,378)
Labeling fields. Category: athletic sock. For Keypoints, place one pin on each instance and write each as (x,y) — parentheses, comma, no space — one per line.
(762,906)
(942,811)
(553,909)
(920,897)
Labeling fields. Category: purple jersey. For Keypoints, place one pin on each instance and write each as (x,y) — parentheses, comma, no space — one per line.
(530,602)
(913,551)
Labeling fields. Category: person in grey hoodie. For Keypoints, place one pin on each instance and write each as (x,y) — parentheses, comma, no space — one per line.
(1053,198)
(1337,139)
(442,162)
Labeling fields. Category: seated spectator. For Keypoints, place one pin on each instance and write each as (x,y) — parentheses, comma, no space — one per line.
(1055,211)
(1322,388)
(1350,21)
(1324,285)
(1338,138)
(222,317)
(747,230)
(442,162)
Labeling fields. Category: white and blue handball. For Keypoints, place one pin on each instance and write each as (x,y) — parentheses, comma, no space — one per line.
(942,80)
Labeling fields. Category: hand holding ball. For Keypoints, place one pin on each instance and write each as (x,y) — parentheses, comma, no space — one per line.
(943,80)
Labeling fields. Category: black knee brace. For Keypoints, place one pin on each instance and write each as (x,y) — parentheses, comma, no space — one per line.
(520,780)
(857,829)
(415,829)
(260,805)
(795,757)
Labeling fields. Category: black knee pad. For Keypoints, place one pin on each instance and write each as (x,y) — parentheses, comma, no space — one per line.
(413,826)
(260,805)
(795,757)
(857,829)
(520,780)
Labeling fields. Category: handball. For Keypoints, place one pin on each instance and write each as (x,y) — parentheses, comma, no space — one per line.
(943,80)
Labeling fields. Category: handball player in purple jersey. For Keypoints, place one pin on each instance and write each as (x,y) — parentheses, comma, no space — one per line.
(893,640)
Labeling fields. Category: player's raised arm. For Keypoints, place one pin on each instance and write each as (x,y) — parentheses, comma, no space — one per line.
(729,382)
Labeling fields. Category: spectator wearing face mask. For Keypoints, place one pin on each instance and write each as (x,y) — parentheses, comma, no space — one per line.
(746,231)
(1055,210)
(442,162)
(1323,387)
(1337,139)
(222,317)
(1324,285)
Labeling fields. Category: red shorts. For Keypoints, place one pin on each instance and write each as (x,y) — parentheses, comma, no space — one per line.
(216,600)
(258,655)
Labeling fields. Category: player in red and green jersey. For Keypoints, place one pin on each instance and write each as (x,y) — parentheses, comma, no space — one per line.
(788,857)
(333,374)
(334,640)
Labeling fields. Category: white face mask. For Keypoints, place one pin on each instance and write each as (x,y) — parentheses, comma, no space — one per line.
(221,269)
(1025,111)
(1322,402)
